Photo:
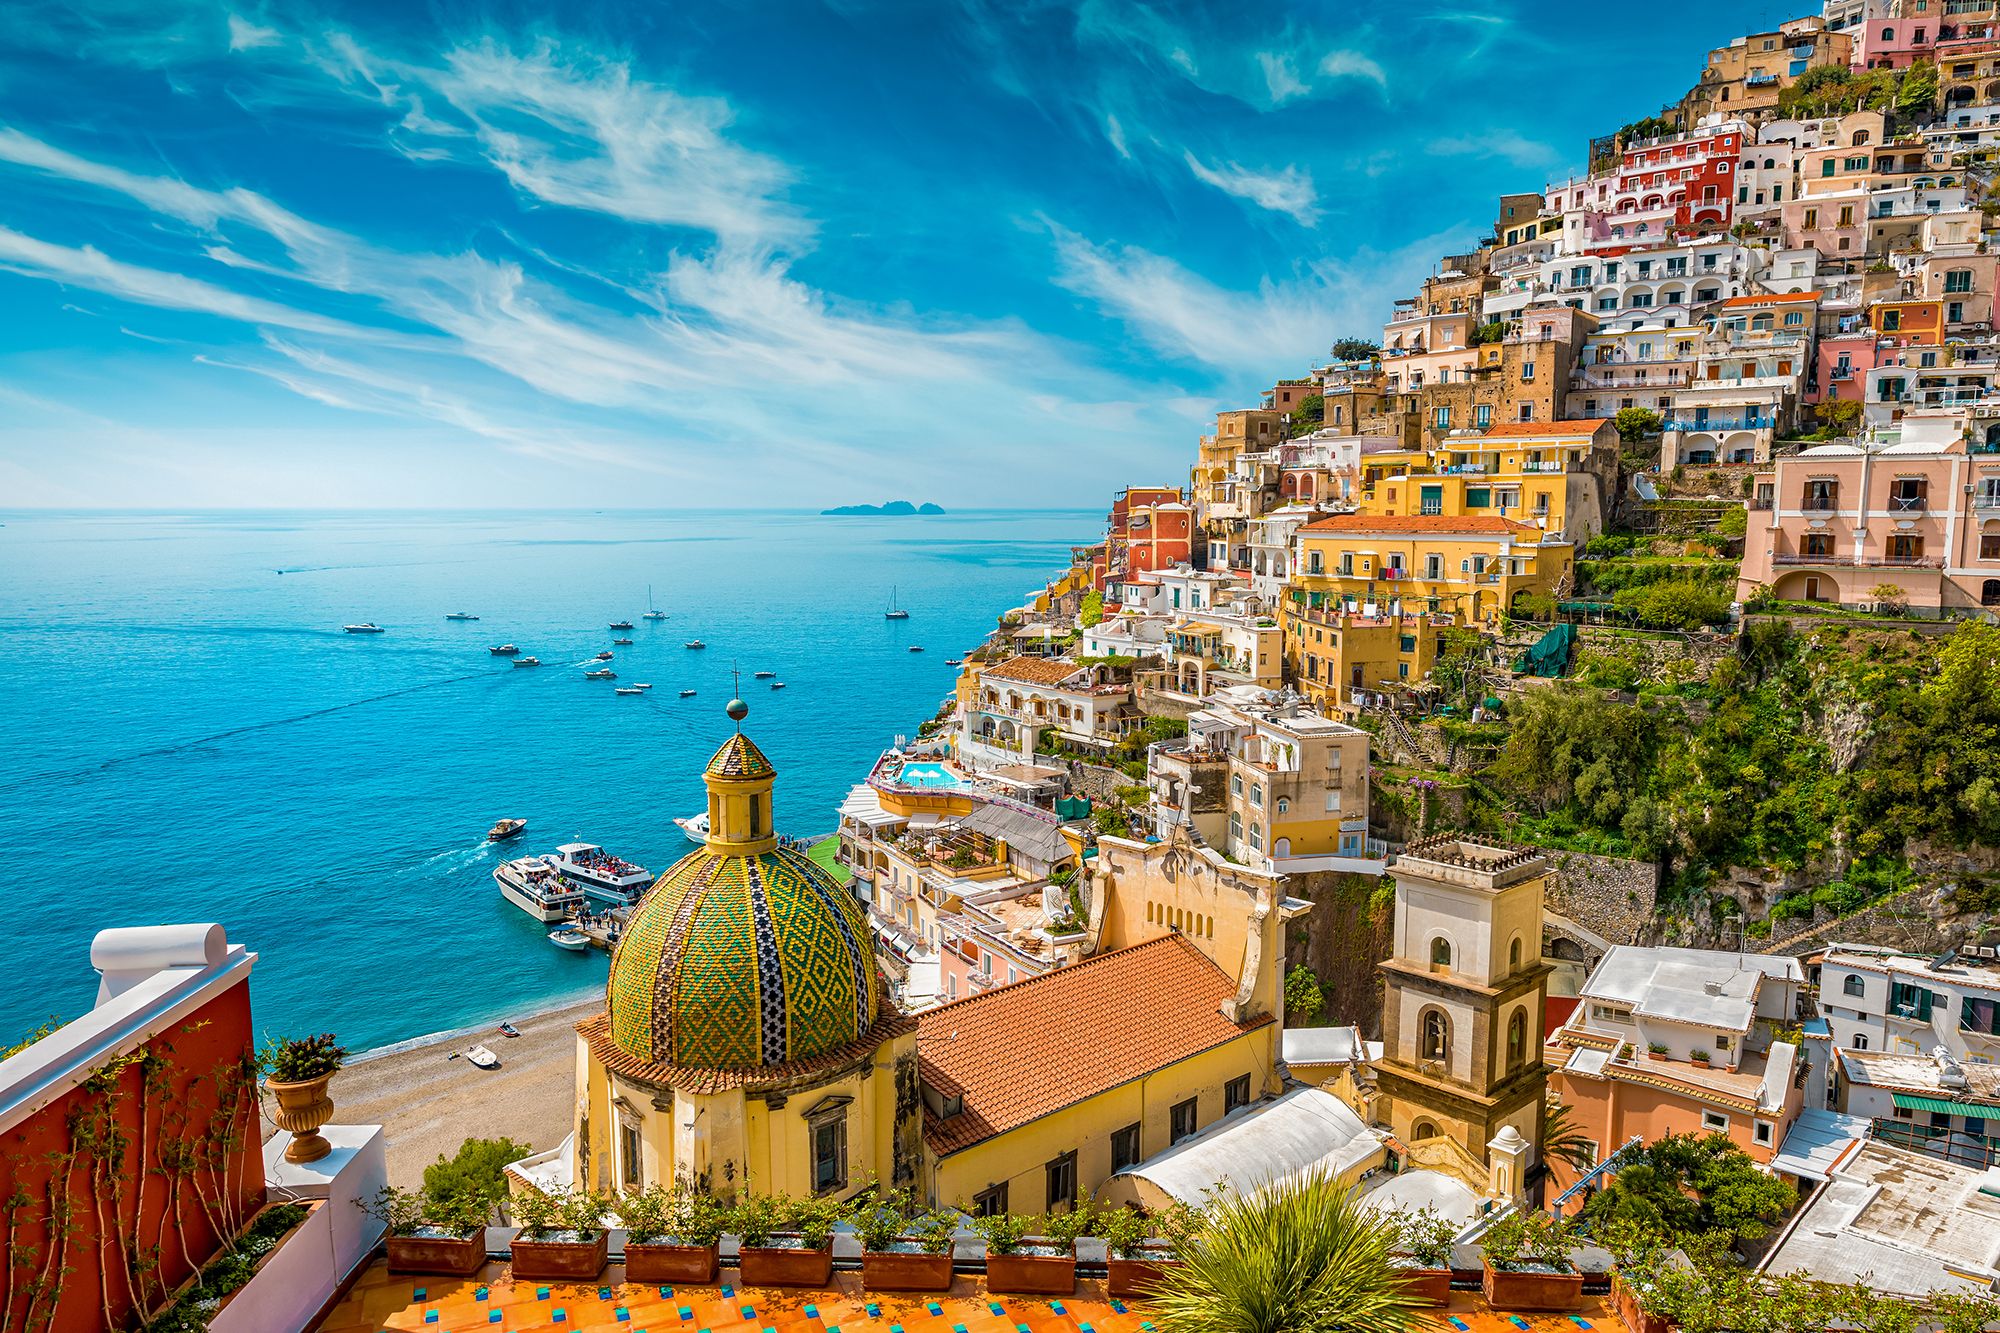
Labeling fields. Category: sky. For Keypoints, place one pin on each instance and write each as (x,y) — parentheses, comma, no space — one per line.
(988,253)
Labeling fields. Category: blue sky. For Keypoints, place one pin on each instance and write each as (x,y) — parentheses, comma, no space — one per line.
(991,253)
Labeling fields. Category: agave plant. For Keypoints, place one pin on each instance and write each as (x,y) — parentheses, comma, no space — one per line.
(1297,1257)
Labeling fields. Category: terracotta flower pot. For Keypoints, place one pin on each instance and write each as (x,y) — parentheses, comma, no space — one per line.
(658,1263)
(1530,1289)
(302,1108)
(779,1266)
(1428,1286)
(1139,1275)
(561,1260)
(452,1256)
(1031,1274)
(906,1271)
(1634,1315)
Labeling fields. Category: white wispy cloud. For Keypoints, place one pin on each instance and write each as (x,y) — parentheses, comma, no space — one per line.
(247,36)
(1115,134)
(1349,64)
(1507,145)
(1289,191)
(1281,77)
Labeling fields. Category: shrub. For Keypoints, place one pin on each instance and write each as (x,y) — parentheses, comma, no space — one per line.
(477,1170)
(1065,1227)
(1426,1238)
(758,1218)
(582,1211)
(298,1059)
(1003,1232)
(537,1214)
(1303,993)
(815,1218)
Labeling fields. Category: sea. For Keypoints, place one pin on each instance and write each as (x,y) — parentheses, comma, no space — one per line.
(188,735)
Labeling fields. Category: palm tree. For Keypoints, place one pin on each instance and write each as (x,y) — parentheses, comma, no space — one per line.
(1563,1142)
(1297,1257)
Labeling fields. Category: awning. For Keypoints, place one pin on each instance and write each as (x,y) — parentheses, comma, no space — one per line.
(1977,1110)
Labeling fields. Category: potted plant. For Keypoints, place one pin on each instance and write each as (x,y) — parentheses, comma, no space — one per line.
(1423,1251)
(1022,1261)
(672,1236)
(296,1072)
(430,1233)
(902,1248)
(787,1242)
(562,1237)
(1138,1250)
(1526,1264)
(1656,1049)
(1699,1056)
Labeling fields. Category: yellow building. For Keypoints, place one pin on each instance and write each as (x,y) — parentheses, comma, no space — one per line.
(1558,476)
(1332,652)
(1375,566)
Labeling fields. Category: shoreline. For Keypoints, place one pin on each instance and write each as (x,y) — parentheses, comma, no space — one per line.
(490,1026)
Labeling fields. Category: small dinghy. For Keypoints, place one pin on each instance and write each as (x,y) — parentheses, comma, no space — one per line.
(628,689)
(482,1057)
(687,694)
(509,1030)
(569,938)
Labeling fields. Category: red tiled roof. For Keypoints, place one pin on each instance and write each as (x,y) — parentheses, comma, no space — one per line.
(1389,525)
(1530,430)
(1772,298)
(1033,670)
(1020,1052)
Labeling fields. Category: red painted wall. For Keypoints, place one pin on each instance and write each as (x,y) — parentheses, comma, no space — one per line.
(147,1172)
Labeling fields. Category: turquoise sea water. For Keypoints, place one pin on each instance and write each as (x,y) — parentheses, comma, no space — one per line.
(188,735)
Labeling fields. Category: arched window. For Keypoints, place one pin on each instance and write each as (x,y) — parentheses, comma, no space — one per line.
(1514,954)
(1440,952)
(1852,986)
(1235,825)
(1423,1129)
(1437,1036)
(1256,837)
(1989,593)
(1284,804)
(1860,1041)
(1517,1039)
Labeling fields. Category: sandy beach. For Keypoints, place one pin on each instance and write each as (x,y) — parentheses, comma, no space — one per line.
(428,1104)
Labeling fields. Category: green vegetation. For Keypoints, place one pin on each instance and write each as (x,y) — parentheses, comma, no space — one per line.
(298,1059)
(1308,414)
(476,1171)
(1303,996)
(1091,611)
(1700,1194)
(232,1269)
(1834,90)
(1636,423)
(1355,349)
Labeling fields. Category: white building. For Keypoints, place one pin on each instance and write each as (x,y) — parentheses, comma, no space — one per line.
(1880,1000)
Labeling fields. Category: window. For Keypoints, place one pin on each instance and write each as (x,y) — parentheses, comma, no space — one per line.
(1181,1121)
(630,1159)
(1062,1182)
(1761,1131)
(1514,954)
(1436,1036)
(1257,794)
(990,1202)
(1722,1043)
(1482,415)
(829,1148)
(1892,320)
(1860,1041)
(1958,280)
(1236,1093)
(1517,1039)
(1714,1122)
(1852,986)
(1440,952)
(1235,784)
(1124,1148)
(1441,417)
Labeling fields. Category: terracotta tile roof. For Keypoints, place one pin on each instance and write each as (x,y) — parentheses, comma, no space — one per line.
(1020,1052)
(1390,525)
(1033,670)
(1772,298)
(1534,430)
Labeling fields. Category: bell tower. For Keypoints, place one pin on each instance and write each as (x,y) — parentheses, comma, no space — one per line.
(740,781)
(1463,994)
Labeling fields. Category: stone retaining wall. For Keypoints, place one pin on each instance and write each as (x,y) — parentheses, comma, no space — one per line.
(1608,895)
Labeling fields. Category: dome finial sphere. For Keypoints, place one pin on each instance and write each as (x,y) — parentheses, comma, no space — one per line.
(737,710)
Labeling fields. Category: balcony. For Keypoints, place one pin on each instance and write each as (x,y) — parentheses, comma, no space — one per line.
(1907,504)
(1820,504)
(1900,562)
(1713,424)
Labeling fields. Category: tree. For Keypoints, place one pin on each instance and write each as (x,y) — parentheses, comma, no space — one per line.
(1296,1257)
(1355,349)
(1091,612)
(1563,1142)
(1636,423)
(1838,416)
(476,1171)
(1571,744)
(1303,995)
(1693,1190)
(1309,412)
(1918,90)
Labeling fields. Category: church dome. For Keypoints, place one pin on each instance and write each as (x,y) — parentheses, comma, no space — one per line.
(745,953)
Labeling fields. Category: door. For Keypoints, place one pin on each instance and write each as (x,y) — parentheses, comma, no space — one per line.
(1812,588)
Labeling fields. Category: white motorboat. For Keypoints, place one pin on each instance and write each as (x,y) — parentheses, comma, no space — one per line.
(460,615)
(505,829)
(482,1057)
(603,657)
(602,673)
(628,689)
(621,643)
(504,650)
(694,643)
(916,648)
(599,874)
(695,827)
(621,624)
(652,612)
(531,884)
(366,627)
(642,685)
(687,694)
(762,675)
(527,661)
(777,684)
(573,940)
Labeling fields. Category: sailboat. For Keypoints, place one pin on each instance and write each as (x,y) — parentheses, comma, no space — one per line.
(652,612)
(894,612)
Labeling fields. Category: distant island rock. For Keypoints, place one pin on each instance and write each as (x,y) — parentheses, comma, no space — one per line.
(893,509)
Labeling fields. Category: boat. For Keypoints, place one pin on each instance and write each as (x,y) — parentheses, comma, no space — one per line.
(694,826)
(642,684)
(365,627)
(621,624)
(527,661)
(621,643)
(460,615)
(504,650)
(894,612)
(777,684)
(509,1030)
(532,884)
(652,612)
(916,647)
(954,661)
(687,694)
(482,1057)
(506,828)
(603,657)
(569,938)
(628,689)
(694,643)
(762,675)
(603,673)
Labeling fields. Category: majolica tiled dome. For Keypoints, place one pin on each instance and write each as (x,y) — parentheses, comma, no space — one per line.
(736,960)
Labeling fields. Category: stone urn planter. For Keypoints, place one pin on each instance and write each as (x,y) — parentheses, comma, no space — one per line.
(561,1260)
(1032,1270)
(906,1269)
(1427,1286)
(1138,1274)
(662,1263)
(302,1108)
(1540,1287)
(784,1265)
(448,1256)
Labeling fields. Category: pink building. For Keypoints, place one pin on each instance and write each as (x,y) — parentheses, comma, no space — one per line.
(1844,361)
(1916,508)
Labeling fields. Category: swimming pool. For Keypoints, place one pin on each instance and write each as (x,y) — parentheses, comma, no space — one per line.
(926,774)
